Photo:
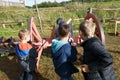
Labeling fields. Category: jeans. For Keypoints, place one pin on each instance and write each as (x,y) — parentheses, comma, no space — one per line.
(26,75)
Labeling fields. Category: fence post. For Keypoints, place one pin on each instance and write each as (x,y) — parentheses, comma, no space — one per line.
(3,25)
(22,24)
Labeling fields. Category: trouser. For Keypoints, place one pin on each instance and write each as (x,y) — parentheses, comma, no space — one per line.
(26,75)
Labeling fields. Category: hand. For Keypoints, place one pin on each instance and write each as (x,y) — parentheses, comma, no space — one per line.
(79,56)
(85,68)
(71,40)
(80,40)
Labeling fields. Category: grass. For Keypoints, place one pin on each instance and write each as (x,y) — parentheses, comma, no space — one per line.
(49,15)
(11,31)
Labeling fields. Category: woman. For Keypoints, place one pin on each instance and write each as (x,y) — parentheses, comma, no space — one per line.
(97,61)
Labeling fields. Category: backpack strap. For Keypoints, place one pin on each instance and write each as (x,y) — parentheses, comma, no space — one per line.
(23,58)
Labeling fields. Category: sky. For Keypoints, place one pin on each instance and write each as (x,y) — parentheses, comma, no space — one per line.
(31,2)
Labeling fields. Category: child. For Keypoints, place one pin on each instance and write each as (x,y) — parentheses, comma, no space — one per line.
(64,54)
(26,56)
(97,61)
(61,21)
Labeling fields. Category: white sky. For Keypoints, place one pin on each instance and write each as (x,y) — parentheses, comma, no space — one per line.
(31,2)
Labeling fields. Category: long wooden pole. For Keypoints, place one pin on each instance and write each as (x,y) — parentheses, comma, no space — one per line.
(39,18)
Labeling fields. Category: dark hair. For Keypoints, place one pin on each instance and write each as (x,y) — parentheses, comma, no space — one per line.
(63,30)
(83,29)
(60,20)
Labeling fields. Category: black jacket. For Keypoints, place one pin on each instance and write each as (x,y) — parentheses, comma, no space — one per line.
(98,60)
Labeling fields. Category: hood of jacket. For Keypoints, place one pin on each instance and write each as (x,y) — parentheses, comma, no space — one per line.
(57,44)
(22,49)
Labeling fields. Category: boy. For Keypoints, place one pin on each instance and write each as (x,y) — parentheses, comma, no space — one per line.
(26,56)
(62,21)
(64,54)
(97,61)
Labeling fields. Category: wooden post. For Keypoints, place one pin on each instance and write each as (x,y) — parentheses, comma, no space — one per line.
(3,25)
(89,10)
(39,18)
(116,22)
(22,24)
(115,27)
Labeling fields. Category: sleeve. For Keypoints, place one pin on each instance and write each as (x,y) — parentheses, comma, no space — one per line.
(33,53)
(16,49)
(102,54)
(71,53)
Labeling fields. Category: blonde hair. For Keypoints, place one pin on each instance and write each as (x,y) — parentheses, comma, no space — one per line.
(23,33)
(88,28)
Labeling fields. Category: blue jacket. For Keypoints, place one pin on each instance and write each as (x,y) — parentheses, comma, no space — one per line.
(26,56)
(98,60)
(63,55)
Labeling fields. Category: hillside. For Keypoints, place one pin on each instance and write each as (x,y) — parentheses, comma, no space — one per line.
(12,17)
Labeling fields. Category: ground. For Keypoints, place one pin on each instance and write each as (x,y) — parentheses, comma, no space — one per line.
(9,68)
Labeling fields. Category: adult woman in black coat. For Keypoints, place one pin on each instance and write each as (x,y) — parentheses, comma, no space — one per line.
(97,62)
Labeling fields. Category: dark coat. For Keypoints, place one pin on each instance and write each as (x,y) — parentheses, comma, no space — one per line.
(98,60)
(64,55)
